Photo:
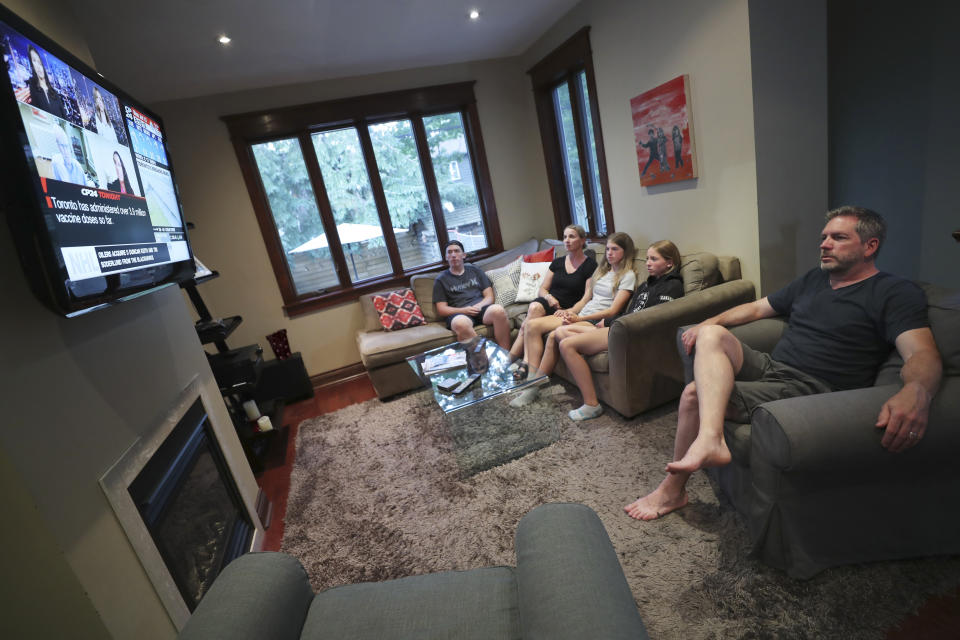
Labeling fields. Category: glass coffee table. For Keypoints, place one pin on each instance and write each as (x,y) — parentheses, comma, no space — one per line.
(496,379)
(486,430)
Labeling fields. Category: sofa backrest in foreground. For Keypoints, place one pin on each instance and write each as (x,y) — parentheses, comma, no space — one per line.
(567,585)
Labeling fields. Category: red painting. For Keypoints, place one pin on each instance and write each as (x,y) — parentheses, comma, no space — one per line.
(663,129)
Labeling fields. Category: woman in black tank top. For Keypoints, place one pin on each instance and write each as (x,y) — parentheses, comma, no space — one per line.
(564,283)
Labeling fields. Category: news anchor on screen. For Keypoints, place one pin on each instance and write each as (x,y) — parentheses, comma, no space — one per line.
(122,183)
(42,94)
(101,118)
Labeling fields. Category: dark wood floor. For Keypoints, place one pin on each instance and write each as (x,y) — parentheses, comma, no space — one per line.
(938,619)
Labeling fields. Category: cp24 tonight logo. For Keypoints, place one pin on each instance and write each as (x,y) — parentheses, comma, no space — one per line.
(93,193)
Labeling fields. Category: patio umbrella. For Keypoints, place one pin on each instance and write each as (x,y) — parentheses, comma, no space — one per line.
(349,233)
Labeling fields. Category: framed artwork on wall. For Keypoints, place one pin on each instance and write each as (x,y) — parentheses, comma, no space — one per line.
(663,129)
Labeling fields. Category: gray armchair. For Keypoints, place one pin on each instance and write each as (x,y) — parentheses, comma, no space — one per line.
(567,585)
(814,484)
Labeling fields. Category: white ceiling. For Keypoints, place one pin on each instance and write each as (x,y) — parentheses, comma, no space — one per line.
(167,49)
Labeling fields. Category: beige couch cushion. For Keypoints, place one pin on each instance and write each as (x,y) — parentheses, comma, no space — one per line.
(371,319)
(729,268)
(699,271)
(381,348)
(422,286)
(600,363)
(599,250)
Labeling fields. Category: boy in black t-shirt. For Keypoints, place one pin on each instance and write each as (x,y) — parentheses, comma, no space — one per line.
(843,319)
(464,296)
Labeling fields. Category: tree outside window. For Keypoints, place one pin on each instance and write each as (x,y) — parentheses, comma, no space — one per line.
(570,132)
(361,204)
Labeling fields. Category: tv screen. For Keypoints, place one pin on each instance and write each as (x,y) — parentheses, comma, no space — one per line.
(89,189)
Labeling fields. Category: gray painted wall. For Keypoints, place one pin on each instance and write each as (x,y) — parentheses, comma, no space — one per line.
(710,42)
(76,393)
(788,51)
(894,130)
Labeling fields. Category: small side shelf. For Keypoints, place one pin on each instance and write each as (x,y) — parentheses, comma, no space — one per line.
(256,444)
(237,368)
(212,331)
(202,279)
(242,376)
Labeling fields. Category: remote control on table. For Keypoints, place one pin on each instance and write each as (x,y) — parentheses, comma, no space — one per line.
(466,383)
(448,384)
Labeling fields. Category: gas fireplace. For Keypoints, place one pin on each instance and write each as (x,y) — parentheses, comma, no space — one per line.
(176,498)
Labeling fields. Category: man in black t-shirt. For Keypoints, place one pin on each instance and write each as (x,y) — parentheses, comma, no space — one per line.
(843,319)
(464,296)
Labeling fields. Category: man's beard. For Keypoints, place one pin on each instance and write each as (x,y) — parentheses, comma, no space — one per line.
(839,264)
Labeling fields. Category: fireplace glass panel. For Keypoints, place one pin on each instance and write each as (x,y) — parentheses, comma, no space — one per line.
(188,502)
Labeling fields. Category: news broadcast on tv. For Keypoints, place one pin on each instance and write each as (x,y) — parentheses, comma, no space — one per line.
(105,183)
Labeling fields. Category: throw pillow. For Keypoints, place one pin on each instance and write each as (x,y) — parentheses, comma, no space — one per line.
(692,273)
(699,271)
(540,256)
(531,277)
(505,281)
(398,309)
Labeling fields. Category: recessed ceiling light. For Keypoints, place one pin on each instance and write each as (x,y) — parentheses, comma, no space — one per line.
(474,14)
(224,39)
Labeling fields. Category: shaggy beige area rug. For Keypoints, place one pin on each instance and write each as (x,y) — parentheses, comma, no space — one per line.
(376,493)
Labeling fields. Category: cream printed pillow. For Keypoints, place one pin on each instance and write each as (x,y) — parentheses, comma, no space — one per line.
(531,277)
(504,281)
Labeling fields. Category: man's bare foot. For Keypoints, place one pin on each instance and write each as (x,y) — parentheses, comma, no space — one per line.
(701,454)
(655,505)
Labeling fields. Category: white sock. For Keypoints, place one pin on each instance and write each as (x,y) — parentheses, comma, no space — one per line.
(525,397)
(586,412)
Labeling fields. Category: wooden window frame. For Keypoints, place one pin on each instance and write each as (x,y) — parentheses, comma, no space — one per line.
(301,121)
(563,64)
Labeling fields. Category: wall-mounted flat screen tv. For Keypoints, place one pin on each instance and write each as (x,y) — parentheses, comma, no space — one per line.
(88,186)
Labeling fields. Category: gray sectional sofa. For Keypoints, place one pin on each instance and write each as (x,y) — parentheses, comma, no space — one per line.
(641,369)
(567,585)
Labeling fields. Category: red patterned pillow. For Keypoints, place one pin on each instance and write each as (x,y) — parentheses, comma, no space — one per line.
(398,309)
(540,256)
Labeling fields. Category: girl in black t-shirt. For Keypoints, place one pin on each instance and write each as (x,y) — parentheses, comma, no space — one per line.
(563,285)
(578,341)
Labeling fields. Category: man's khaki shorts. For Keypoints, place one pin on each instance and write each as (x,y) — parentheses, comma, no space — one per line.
(763,379)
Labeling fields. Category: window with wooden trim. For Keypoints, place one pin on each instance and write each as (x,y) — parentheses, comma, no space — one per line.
(566,99)
(356,195)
